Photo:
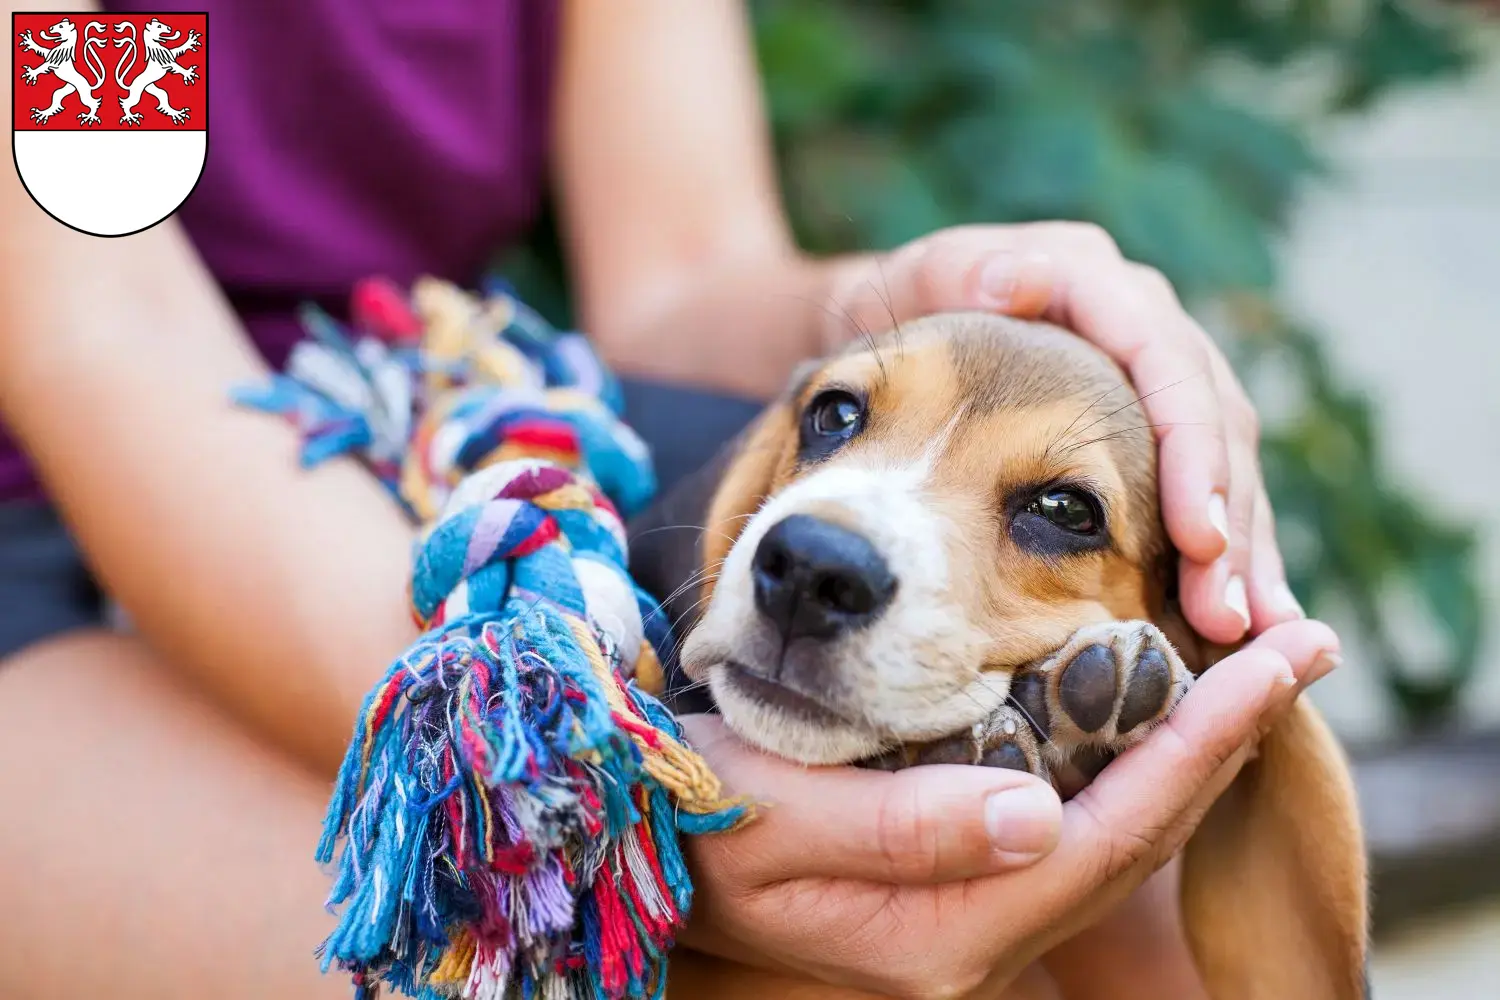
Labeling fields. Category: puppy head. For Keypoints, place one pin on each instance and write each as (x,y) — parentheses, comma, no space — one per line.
(919,516)
(914,519)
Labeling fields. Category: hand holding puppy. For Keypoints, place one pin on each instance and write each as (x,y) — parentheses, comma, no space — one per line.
(953,880)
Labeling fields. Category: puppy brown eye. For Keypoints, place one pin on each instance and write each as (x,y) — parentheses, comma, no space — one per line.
(1068,510)
(834,414)
(1057,522)
(830,420)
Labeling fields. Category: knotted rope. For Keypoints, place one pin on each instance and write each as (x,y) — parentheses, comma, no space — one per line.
(506,819)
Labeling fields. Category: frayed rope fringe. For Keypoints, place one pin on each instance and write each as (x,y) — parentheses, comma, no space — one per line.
(505,823)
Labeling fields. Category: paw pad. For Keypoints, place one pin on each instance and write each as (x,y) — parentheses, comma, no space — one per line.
(1088,686)
(1071,713)
(1150,687)
(1107,684)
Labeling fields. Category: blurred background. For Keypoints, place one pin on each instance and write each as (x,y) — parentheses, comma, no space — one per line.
(1321,180)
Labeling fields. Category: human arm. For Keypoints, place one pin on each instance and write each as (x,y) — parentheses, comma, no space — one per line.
(683,266)
(281,591)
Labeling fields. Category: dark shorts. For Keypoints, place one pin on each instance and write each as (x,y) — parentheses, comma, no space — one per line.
(45,589)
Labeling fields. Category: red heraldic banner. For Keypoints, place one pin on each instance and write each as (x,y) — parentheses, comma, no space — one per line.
(109,115)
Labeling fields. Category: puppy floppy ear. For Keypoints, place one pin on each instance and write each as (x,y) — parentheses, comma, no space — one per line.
(677,540)
(692,527)
(758,460)
(1274,879)
(1274,897)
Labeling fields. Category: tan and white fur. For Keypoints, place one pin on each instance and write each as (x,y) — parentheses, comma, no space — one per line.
(997,637)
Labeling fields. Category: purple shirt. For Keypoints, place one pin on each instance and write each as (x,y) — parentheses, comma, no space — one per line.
(358,137)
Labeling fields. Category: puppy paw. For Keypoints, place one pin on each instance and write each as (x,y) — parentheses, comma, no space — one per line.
(1070,713)
(1098,695)
(1005,739)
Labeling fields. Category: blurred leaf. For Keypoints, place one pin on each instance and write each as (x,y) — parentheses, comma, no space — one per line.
(1046,161)
(809,66)
(1396,46)
(1331,490)
(1165,213)
(1271,33)
(1260,160)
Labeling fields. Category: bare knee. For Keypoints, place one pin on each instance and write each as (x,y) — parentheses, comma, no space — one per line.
(153,828)
(72,658)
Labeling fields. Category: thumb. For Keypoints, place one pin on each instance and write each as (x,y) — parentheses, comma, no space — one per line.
(967,267)
(937,823)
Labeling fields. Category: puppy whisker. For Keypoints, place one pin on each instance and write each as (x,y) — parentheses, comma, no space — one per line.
(1046,452)
(861,332)
(684,588)
(689,688)
(1037,729)
(868,339)
(1134,402)
(886,300)
(696,579)
(1131,430)
(681,634)
(669,527)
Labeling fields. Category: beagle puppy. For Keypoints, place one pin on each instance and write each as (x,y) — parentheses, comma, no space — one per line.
(945,545)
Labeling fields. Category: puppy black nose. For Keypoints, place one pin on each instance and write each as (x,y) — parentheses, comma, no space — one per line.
(815,580)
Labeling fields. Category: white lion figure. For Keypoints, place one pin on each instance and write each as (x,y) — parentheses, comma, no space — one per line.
(160,60)
(59,60)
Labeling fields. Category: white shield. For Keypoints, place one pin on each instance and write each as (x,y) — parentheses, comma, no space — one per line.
(110,153)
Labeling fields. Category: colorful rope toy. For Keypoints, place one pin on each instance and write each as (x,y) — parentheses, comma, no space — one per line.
(506,820)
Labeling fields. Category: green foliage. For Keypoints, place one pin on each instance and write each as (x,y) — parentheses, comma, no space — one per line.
(1356,536)
(896,117)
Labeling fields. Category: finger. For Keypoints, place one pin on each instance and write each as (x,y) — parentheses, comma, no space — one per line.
(1133,315)
(972,267)
(1131,811)
(1287,642)
(1216,596)
(1295,640)
(1271,600)
(1214,600)
(922,825)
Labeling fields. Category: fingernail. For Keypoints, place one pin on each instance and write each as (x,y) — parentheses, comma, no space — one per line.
(1023,823)
(997,282)
(1236,600)
(1326,663)
(1218,515)
(1280,700)
(1286,602)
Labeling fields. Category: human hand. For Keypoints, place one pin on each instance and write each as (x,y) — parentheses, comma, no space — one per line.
(950,880)
(1213,499)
